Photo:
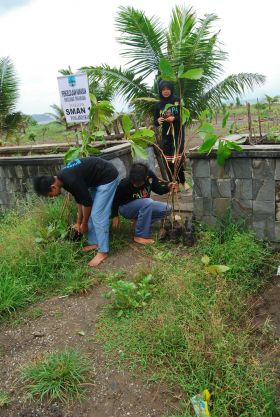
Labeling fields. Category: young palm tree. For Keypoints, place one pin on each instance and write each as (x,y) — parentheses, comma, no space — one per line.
(271,100)
(58,115)
(188,41)
(8,96)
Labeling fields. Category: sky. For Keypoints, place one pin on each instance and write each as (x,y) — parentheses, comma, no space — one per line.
(43,36)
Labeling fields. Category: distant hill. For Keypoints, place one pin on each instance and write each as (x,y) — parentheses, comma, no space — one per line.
(42,119)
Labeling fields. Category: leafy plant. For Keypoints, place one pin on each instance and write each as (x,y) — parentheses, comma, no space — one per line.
(54,231)
(139,140)
(213,269)
(100,113)
(60,375)
(212,140)
(128,295)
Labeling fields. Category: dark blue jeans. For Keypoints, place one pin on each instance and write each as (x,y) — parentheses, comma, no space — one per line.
(145,211)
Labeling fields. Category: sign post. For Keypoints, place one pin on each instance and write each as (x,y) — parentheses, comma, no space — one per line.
(74,96)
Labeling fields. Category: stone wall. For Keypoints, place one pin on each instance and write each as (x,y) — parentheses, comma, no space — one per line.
(16,172)
(248,186)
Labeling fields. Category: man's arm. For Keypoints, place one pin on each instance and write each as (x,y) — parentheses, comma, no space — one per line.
(86,214)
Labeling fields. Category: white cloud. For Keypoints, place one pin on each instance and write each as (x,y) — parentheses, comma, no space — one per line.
(47,35)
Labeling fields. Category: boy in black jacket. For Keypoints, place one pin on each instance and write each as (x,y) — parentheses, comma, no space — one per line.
(173,140)
(132,200)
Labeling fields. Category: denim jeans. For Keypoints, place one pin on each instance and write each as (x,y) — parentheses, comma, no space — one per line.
(146,211)
(98,222)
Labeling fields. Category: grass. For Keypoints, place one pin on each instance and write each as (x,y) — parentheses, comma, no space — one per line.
(197,332)
(58,376)
(5,399)
(50,132)
(30,271)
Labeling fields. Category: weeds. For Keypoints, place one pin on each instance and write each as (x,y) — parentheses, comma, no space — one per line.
(128,295)
(197,332)
(5,399)
(29,271)
(59,376)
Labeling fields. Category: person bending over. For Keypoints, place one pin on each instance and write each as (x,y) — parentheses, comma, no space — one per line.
(93,182)
(132,200)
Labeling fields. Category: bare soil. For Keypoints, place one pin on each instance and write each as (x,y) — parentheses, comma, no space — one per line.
(111,393)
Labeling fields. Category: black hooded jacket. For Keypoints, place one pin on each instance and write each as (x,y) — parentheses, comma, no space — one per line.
(167,137)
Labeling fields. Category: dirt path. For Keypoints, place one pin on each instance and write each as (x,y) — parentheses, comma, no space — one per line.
(113,393)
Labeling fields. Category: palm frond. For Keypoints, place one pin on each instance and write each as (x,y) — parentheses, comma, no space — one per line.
(232,86)
(124,82)
(144,39)
(8,88)
(181,24)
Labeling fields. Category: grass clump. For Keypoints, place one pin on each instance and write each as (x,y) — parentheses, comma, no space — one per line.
(5,399)
(59,376)
(30,271)
(197,333)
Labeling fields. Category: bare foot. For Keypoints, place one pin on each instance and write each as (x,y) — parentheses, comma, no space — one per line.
(143,241)
(89,248)
(98,259)
(186,186)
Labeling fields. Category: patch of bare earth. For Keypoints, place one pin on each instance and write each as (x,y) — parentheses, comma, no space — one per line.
(111,393)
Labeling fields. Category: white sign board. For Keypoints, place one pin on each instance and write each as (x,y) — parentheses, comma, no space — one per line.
(74,96)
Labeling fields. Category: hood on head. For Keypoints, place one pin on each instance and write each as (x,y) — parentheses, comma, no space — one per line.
(165,83)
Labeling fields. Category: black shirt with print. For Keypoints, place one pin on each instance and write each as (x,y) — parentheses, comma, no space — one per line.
(167,135)
(126,192)
(84,173)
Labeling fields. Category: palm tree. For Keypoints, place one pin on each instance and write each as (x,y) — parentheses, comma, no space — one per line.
(9,120)
(271,100)
(58,115)
(188,41)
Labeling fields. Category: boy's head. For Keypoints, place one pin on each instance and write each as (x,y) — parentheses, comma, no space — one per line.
(47,185)
(166,88)
(138,174)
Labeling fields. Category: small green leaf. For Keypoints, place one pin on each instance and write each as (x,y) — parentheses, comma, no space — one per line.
(225,119)
(138,151)
(205,129)
(180,70)
(209,142)
(185,115)
(127,124)
(233,145)
(166,70)
(217,269)
(193,74)
(71,154)
(205,260)
(223,152)
(81,333)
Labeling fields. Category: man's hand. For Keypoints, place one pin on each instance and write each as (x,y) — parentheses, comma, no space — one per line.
(160,120)
(83,228)
(116,222)
(174,186)
(170,119)
(77,227)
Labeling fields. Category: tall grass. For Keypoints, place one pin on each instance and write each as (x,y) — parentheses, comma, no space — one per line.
(197,331)
(30,271)
(58,376)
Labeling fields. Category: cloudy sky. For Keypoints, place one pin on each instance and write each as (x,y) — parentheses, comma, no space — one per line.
(43,36)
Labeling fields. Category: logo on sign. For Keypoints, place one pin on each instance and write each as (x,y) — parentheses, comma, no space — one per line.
(72,81)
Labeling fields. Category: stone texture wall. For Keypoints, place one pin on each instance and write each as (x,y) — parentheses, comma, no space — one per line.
(248,186)
(16,173)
